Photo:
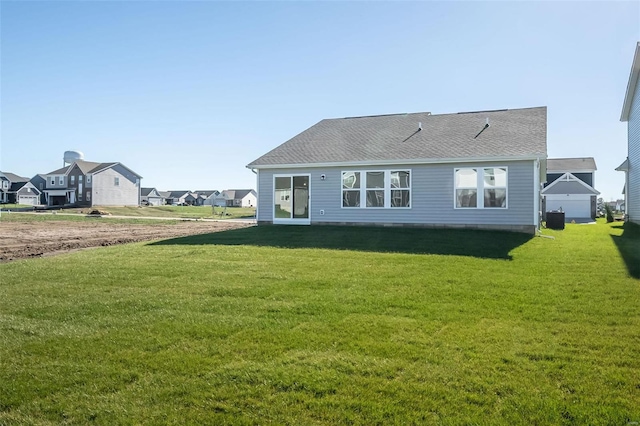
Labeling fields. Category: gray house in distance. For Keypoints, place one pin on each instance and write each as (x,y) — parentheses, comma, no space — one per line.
(570,187)
(86,183)
(631,166)
(479,169)
(151,197)
(17,189)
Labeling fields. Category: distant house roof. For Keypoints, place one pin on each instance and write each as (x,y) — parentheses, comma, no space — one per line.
(12,177)
(207,193)
(385,139)
(89,167)
(146,191)
(178,194)
(237,194)
(570,164)
(631,85)
(165,194)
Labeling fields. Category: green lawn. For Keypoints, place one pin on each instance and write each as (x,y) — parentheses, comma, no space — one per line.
(14,206)
(206,212)
(328,325)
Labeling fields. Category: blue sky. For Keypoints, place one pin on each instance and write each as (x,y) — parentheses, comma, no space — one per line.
(188,93)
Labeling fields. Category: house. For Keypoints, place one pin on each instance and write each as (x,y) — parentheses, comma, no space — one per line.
(238,198)
(151,197)
(207,197)
(631,166)
(182,198)
(479,169)
(87,183)
(18,190)
(40,182)
(570,188)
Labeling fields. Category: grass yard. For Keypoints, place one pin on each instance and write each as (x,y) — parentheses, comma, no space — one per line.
(205,212)
(328,325)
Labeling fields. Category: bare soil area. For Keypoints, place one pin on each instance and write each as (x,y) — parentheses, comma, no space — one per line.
(20,240)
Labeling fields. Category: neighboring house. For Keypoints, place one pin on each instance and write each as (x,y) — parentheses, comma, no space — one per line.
(570,187)
(17,189)
(479,169)
(151,197)
(207,197)
(181,198)
(166,195)
(86,183)
(631,166)
(40,182)
(238,198)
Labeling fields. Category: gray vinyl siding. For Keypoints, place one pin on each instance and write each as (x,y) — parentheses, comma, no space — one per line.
(105,193)
(633,194)
(432,197)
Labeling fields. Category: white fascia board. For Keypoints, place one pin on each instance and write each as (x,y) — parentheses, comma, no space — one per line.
(399,162)
(113,165)
(572,171)
(631,85)
(573,179)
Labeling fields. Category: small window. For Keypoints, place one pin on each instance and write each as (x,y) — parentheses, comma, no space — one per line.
(61,180)
(400,188)
(73,179)
(41,185)
(53,181)
(495,187)
(116,181)
(350,189)
(466,188)
(80,178)
(375,189)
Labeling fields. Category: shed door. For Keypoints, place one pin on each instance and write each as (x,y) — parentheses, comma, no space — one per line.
(571,208)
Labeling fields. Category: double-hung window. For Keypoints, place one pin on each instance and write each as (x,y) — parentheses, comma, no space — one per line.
(116,181)
(376,189)
(61,180)
(481,187)
(73,179)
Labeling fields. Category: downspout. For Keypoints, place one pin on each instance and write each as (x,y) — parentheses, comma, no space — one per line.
(257,192)
(536,194)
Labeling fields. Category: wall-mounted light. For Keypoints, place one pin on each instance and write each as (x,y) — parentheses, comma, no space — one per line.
(323,176)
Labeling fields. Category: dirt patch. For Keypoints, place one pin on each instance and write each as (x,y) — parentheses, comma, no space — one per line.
(20,240)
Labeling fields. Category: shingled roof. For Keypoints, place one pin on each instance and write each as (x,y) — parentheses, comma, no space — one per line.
(515,133)
(570,164)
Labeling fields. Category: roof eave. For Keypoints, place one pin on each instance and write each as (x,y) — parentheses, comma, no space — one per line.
(631,85)
(416,161)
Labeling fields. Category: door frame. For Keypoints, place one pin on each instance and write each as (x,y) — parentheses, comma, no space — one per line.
(290,221)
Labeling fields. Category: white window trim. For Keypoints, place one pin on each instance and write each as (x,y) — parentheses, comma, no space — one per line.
(480,188)
(387,189)
(61,180)
(283,221)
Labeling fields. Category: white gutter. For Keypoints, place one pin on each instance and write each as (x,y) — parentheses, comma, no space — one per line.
(396,162)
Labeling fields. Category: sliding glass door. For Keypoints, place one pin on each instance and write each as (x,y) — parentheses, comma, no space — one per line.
(291,199)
